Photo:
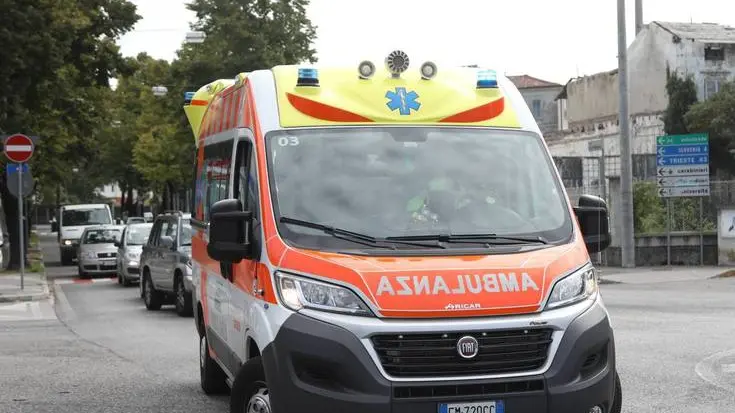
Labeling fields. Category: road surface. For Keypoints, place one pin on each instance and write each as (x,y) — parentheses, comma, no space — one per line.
(105,353)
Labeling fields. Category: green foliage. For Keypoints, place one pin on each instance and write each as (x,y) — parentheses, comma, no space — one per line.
(682,94)
(716,116)
(649,213)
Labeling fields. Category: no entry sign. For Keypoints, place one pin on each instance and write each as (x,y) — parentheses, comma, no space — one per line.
(18,148)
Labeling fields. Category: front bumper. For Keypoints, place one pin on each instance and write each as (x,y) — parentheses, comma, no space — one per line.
(314,365)
(94,266)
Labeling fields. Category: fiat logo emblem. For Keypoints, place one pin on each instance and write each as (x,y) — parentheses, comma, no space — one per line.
(468,347)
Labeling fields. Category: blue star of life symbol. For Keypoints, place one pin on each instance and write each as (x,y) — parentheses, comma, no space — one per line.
(402,100)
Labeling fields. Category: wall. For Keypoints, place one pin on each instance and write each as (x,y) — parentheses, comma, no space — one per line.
(644,129)
(548,118)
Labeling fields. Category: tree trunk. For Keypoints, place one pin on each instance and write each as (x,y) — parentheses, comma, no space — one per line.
(123,192)
(10,204)
(129,206)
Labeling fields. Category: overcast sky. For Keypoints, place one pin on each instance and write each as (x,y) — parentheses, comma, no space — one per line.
(551,40)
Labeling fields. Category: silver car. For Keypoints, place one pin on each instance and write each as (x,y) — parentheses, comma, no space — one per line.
(97,254)
(129,247)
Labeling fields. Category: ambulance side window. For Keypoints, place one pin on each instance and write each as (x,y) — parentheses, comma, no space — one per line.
(246,189)
(216,174)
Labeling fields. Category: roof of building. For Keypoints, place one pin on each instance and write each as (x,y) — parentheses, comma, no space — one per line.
(701,32)
(528,82)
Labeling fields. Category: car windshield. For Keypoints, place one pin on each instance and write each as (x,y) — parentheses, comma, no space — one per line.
(415,181)
(101,236)
(136,220)
(97,216)
(137,234)
(186,232)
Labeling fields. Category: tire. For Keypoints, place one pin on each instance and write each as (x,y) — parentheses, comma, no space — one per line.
(182,298)
(153,299)
(66,258)
(617,404)
(212,377)
(125,280)
(250,389)
(119,278)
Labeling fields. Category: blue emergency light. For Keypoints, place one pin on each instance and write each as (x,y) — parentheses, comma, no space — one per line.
(308,77)
(188,96)
(487,79)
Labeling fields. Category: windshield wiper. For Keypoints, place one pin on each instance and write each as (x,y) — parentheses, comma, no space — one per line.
(357,237)
(472,238)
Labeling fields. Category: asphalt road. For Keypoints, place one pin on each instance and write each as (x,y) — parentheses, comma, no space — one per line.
(98,350)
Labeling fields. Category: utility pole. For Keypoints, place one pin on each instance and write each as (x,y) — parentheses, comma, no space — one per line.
(638,16)
(626,169)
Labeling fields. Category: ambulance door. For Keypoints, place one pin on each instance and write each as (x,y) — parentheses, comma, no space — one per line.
(244,278)
(218,161)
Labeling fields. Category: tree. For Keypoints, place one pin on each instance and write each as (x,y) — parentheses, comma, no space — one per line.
(56,59)
(242,35)
(682,94)
(716,116)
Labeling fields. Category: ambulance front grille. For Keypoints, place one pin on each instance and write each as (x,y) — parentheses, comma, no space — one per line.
(435,355)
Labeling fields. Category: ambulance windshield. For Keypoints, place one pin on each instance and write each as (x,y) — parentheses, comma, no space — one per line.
(414,181)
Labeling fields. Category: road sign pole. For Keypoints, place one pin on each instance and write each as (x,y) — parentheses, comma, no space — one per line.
(701,231)
(626,168)
(668,231)
(21,230)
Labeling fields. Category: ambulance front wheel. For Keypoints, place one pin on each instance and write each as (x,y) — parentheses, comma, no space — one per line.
(250,391)
(212,377)
(617,404)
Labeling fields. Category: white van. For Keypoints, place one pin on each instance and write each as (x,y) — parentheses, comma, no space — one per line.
(73,219)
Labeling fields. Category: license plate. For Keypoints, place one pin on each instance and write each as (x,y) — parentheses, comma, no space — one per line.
(474,407)
(109,262)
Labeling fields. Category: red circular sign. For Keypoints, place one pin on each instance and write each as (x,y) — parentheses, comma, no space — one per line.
(18,148)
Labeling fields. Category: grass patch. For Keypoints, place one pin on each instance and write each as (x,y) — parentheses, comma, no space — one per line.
(726,274)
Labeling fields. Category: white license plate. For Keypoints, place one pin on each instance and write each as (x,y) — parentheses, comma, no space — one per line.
(474,407)
(109,262)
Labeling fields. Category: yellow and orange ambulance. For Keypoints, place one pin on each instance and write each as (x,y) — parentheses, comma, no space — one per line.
(391,238)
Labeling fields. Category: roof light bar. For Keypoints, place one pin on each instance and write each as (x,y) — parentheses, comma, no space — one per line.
(308,77)
(487,79)
(188,96)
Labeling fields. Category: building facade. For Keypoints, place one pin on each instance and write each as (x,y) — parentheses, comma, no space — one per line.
(540,96)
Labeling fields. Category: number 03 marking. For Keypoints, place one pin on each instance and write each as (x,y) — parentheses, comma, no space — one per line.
(288,141)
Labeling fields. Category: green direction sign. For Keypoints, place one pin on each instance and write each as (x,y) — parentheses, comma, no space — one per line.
(690,139)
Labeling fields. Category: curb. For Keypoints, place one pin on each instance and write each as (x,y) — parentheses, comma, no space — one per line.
(23,297)
(605,281)
(725,274)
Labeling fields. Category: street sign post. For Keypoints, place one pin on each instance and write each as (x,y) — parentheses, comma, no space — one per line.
(11,172)
(682,166)
(18,148)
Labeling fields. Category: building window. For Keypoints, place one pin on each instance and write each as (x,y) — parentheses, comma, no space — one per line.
(536,108)
(711,87)
(716,53)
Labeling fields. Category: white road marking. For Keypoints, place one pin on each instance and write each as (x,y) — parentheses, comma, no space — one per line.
(707,370)
(26,311)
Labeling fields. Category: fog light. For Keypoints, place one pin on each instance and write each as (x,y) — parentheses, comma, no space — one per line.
(596,409)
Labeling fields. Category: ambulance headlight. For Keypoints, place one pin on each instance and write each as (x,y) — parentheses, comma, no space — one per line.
(366,69)
(298,292)
(575,287)
(428,70)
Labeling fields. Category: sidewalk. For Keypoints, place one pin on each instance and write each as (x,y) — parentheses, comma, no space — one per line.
(653,275)
(35,287)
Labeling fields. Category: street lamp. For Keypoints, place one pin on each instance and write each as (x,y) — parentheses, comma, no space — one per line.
(195,37)
(599,145)
(159,90)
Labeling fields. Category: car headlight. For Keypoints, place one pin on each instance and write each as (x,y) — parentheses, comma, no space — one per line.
(297,293)
(575,287)
(89,255)
(132,255)
(67,242)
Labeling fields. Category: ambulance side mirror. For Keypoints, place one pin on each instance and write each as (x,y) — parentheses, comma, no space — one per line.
(228,231)
(594,222)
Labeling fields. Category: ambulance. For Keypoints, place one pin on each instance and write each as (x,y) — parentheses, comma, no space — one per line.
(391,238)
